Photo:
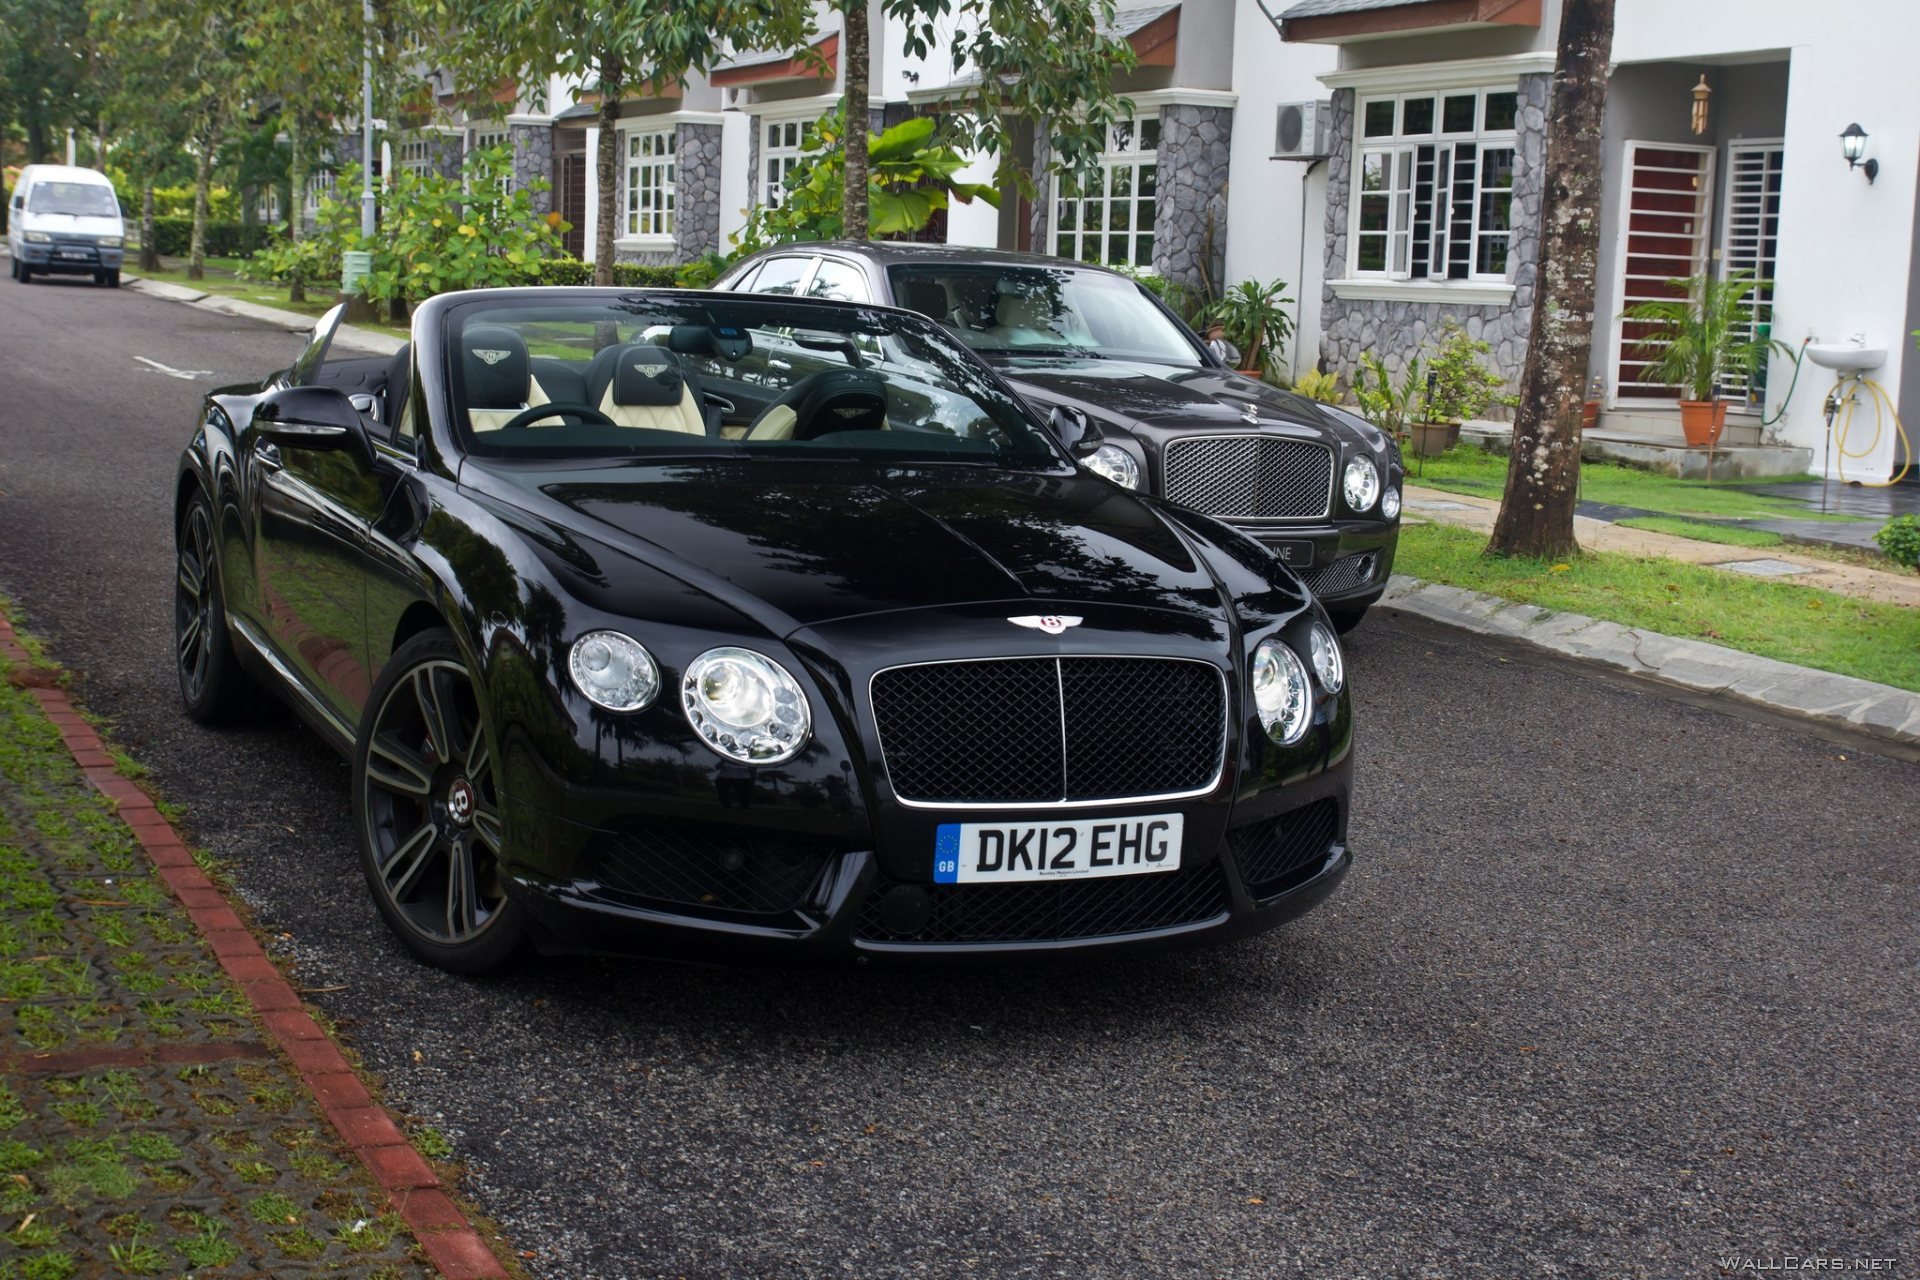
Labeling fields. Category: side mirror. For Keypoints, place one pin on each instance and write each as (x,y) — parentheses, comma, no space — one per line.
(311,418)
(1075,432)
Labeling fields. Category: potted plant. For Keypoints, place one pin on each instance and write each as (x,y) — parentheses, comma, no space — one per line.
(1590,407)
(1460,385)
(1392,407)
(1252,316)
(1696,341)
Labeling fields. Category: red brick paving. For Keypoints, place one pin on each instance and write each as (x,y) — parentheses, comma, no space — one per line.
(450,1241)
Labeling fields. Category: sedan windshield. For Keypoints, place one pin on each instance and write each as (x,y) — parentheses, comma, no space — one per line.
(673,375)
(1006,311)
(81,199)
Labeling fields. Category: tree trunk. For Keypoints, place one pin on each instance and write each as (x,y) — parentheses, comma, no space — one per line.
(854,70)
(296,213)
(202,180)
(607,166)
(149,251)
(1543,470)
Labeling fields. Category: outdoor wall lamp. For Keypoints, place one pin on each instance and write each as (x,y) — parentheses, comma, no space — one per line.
(1853,144)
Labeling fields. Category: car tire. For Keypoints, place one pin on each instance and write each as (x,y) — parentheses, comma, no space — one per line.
(1345,620)
(212,684)
(23,273)
(113,279)
(426,812)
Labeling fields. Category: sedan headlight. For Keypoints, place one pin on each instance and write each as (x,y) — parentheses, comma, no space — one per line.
(615,671)
(108,242)
(1324,651)
(1390,504)
(36,237)
(746,706)
(1115,463)
(1282,694)
(1360,485)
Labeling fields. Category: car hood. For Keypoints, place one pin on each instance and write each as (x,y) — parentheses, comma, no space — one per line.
(1129,393)
(72,224)
(796,544)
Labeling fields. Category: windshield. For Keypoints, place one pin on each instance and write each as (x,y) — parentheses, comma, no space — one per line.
(599,374)
(1004,311)
(81,199)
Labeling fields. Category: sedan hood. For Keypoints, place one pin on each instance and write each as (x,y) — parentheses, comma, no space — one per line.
(796,544)
(1129,394)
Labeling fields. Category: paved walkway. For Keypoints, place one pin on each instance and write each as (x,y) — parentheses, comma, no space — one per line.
(168,1103)
(384,344)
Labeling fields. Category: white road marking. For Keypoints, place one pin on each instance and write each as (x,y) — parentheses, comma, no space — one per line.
(188,374)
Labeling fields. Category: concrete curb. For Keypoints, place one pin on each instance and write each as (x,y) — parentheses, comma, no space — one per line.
(384,344)
(1842,702)
(450,1242)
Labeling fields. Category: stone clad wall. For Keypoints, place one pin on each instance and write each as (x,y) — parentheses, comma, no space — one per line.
(1190,218)
(533,161)
(696,201)
(1395,330)
(446,150)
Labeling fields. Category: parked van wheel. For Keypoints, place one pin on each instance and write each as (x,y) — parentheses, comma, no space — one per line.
(113,279)
(22,272)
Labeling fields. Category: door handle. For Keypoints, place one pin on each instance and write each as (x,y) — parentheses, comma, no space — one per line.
(777,363)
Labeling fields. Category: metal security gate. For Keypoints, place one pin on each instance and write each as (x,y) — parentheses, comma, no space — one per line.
(1665,221)
(1750,241)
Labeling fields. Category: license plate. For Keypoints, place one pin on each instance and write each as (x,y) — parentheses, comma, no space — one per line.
(1296,555)
(76,255)
(1074,849)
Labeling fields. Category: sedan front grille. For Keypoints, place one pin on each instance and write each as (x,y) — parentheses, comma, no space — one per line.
(711,868)
(1051,911)
(1342,575)
(1251,477)
(1274,854)
(1040,731)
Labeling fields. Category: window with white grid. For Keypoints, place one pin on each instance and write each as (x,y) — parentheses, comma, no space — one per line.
(1111,221)
(782,143)
(320,186)
(650,183)
(415,157)
(1433,194)
(484,139)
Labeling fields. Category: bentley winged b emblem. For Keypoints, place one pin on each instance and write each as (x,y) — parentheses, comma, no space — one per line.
(491,355)
(1052,624)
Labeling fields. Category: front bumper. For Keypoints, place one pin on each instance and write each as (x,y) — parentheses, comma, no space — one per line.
(738,893)
(1344,564)
(71,258)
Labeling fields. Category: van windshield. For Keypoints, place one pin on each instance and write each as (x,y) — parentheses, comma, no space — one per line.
(81,199)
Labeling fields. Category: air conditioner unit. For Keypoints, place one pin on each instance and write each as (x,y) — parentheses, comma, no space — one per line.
(1301,131)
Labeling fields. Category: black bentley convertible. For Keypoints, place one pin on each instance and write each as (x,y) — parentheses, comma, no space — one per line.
(1320,486)
(743,626)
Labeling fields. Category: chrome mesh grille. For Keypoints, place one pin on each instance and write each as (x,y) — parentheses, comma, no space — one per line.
(1251,477)
(1342,575)
(1048,730)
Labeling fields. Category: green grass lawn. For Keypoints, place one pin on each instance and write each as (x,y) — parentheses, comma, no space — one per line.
(223,278)
(1470,470)
(1802,625)
(1730,535)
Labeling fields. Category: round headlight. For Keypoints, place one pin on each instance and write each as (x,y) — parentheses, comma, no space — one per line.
(1115,463)
(1360,485)
(615,671)
(109,242)
(745,706)
(1390,504)
(1281,694)
(1324,651)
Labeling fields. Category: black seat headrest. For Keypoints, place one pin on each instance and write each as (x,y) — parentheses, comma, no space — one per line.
(928,297)
(498,373)
(842,400)
(399,381)
(648,375)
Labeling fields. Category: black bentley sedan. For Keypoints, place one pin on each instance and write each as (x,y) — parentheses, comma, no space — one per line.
(736,626)
(1318,485)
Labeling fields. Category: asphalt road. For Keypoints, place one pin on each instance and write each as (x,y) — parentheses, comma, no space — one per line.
(1619,985)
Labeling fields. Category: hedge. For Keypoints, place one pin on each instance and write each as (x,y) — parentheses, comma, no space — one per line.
(626,275)
(174,237)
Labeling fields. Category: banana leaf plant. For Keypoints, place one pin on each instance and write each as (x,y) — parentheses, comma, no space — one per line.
(1702,339)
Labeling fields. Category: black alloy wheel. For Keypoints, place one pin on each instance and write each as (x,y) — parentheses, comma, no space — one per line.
(211,682)
(427,809)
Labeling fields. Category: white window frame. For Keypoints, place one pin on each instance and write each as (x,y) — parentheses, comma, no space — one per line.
(320,186)
(493,136)
(1125,150)
(651,168)
(773,163)
(1398,153)
(414,156)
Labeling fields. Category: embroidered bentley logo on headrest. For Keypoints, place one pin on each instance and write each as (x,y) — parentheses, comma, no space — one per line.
(851,411)
(490,355)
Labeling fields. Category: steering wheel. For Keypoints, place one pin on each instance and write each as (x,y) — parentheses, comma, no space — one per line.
(554,410)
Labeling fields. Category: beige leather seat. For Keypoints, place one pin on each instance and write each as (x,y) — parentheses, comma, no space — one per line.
(1027,320)
(641,385)
(499,377)
(825,402)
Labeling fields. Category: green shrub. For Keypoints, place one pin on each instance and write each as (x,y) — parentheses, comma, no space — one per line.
(626,275)
(438,234)
(1900,539)
(174,237)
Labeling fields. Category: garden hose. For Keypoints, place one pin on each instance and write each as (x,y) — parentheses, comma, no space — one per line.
(1794,382)
(1844,398)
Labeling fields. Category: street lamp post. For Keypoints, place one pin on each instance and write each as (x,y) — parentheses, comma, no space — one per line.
(356,264)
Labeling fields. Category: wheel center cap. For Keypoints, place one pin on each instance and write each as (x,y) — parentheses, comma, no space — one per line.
(460,801)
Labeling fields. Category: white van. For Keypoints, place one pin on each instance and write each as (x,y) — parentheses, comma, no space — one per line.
(65,221)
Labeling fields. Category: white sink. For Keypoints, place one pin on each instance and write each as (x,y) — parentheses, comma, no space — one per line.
(1846,356)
